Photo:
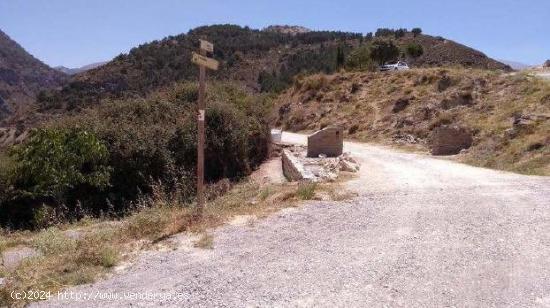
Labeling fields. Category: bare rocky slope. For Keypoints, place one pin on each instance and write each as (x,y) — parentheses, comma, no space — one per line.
(497,120)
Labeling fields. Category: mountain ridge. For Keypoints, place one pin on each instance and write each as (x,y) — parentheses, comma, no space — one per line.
(22,76)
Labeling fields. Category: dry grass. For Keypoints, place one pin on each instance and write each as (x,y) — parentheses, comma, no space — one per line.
(206,241)
(103,244)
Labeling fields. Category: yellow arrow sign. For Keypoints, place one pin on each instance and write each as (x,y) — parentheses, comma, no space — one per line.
(205,61)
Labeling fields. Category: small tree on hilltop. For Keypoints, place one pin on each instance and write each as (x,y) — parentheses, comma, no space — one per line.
(416,32)
(399,33)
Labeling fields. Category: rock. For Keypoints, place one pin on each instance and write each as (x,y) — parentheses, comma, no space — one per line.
(444,83)
(347,163)
(450,140)
(546,64)
(400,104)
(73,234)
(13,257)
(457,99)
(348,166)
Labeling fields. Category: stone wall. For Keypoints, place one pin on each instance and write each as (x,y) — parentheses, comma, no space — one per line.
(328,141)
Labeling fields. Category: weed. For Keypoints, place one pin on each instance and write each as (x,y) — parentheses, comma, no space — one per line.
(206,241)
(306,191)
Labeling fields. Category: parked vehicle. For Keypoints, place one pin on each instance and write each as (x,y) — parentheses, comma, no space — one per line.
(398,66)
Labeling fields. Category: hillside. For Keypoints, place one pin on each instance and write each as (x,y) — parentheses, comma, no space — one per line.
(259,60)
(508,117)
(21,77)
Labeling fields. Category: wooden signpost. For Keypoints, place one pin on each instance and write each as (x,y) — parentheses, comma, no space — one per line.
(203,62)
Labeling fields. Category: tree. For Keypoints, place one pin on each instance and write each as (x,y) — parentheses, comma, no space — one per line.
(414,50)
(368,36)
(399,33)
(340,57)
(416,31)
(54,161)
(360,59)
(381,32)
(383,51)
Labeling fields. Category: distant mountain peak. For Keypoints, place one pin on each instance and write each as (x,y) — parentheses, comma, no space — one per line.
(74,71)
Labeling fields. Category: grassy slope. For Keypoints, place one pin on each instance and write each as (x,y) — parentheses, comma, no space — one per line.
(363,104)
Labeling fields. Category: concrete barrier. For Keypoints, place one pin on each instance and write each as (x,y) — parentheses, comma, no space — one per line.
(293,169)
(328,141)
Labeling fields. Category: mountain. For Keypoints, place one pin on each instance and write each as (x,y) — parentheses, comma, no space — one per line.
(259,60)
(21,77)
(516,65)
(74,71)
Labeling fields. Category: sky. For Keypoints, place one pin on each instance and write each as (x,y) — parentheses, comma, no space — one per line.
(73,33)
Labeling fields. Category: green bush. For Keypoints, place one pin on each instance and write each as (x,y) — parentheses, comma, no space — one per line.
(106,159)
(54,161)
(414,50)
(49,172)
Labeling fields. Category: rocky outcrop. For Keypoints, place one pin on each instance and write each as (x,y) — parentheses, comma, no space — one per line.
(450,140)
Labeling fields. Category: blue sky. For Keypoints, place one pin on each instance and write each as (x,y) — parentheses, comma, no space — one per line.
(78,32)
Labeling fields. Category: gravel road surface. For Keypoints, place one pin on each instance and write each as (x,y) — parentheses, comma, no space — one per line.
(423,232)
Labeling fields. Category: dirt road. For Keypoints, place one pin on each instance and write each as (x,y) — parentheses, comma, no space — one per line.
(423,232)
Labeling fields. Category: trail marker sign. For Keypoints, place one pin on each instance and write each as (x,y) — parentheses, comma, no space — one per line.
(207,46)
(205,61)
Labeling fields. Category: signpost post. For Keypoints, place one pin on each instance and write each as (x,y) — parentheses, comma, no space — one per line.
(203,62)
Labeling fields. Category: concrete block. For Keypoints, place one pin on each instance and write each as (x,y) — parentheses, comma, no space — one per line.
(328,141)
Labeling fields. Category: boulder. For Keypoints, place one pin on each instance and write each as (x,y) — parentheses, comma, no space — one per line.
(450,140)
(457,99)
(13,257)
(400,104)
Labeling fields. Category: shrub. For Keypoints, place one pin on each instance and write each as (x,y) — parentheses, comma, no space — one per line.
(105,159)
(306,191)
(414,50)
(51,170)
(54,161)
